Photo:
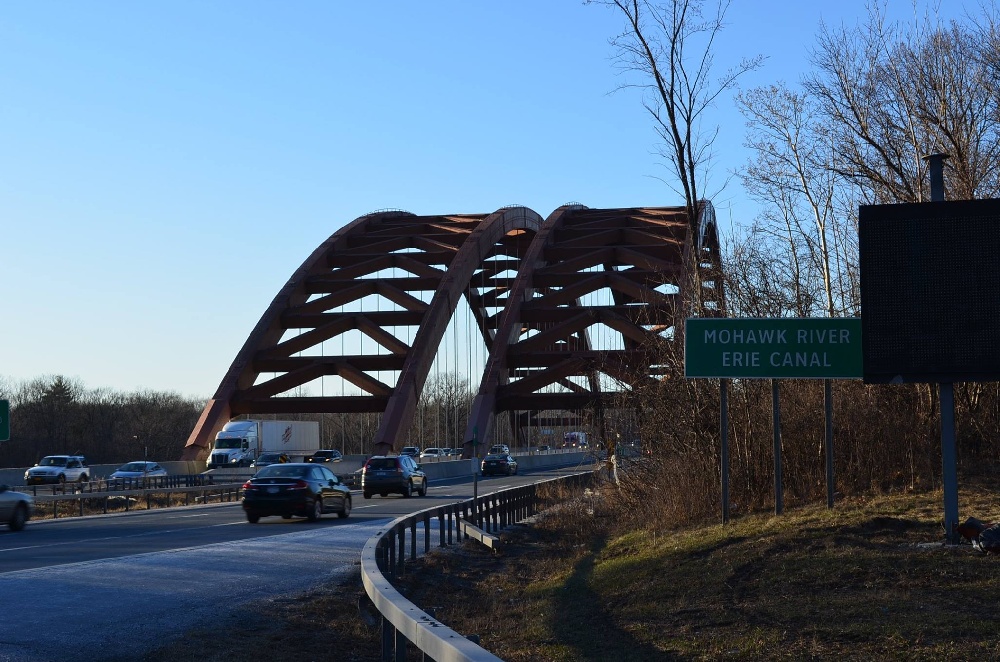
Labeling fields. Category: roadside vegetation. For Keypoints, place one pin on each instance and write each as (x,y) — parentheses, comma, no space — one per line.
(867,579)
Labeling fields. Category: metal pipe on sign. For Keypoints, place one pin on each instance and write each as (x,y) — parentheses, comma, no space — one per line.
(724,439)
(949,472)
(828,405)
(779,505)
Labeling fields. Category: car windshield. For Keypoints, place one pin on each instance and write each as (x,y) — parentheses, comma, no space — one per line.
(133,466)
(382,463)
(324,453)
(228,443)
(268,457)
(283,471)
(52,462)
(496,457)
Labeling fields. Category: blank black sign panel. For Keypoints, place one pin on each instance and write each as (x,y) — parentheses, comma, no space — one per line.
(930,291)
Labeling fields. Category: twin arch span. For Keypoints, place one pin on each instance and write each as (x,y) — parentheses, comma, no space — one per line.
(538,291)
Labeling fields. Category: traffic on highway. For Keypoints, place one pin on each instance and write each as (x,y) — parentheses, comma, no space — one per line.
(127,583)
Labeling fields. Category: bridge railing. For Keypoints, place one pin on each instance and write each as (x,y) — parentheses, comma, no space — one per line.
(384,558)
(101,496)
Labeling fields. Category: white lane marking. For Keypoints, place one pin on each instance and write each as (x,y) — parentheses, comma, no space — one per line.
(106,538)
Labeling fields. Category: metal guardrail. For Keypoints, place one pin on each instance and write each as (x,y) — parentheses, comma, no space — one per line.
(129,490)
(384,556)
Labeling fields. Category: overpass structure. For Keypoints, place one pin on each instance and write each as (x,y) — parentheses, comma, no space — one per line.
(570,311)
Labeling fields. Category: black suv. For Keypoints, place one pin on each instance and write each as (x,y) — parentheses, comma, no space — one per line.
(320,457)
(392,473)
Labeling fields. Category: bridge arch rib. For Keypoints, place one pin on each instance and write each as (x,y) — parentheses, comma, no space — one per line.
(418,268)
(600,294)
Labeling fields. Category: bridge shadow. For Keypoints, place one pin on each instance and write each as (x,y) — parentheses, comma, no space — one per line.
(595,636)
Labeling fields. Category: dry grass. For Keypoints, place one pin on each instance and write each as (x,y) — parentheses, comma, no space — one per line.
(868,579)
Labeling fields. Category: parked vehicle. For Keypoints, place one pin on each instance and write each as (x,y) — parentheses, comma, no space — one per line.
(295,489)
(139,469)
(499,463)
(498,448)
(239,443)
(266,459)
(60,469)
(401,474)
(433,452)
(15,508)
(412,451)
(322,457)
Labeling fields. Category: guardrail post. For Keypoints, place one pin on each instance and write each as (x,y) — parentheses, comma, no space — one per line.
(388,638)
(413,540)
(450,522)
(427,533)
(440,514)
(400,647)
(391,565)
(401,557)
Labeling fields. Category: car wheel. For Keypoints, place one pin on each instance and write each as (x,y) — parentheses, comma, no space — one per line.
(345,512)
(315,510)
(62,479)
(253,518)
(509,471)
(423,489)
(384,494)
(407,490)
(19,517)
(83,478)
(367,495)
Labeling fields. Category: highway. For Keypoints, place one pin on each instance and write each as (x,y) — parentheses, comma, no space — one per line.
(118,586)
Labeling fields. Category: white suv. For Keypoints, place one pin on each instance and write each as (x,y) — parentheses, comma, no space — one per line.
(499,449)
(58,469)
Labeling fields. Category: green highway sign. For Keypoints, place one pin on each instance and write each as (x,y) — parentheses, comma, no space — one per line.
(791,348)
(4,420)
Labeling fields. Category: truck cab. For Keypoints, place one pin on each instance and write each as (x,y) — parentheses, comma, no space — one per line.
(235,445)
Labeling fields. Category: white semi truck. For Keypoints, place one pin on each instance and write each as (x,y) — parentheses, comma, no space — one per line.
(239,443)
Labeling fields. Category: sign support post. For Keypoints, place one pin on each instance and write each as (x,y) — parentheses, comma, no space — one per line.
(828,406)
(779,505)
(724,438)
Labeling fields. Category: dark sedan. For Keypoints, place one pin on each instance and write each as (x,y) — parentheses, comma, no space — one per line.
(295,489)
(499,463)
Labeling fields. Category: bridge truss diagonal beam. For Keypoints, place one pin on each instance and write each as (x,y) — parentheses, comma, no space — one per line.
(394,278)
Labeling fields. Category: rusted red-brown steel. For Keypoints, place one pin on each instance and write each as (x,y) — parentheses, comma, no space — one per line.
(343,270)
(644,257)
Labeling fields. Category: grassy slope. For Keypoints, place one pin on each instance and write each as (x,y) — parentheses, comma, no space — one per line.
(865,580)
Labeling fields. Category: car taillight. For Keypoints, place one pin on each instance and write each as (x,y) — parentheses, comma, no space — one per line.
(299,485)
(248,485)
(367,466)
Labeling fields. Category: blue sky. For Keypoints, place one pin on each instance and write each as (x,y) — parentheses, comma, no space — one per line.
(166,166)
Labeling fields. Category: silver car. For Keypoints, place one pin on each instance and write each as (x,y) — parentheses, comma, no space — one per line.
(15,508)
(139,469)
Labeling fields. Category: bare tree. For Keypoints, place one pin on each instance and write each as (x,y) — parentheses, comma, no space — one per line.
(670,45)
(892,93)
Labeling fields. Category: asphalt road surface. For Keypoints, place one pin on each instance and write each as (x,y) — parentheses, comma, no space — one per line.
(115,587)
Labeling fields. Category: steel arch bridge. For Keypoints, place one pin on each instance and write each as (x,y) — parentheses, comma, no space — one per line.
(571,309)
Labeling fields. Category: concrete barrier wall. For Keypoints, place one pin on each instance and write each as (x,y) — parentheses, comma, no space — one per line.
(435,468)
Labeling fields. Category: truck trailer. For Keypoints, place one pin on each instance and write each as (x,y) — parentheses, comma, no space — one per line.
(239,443)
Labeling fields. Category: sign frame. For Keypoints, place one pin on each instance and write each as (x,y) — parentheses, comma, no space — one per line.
(773,348)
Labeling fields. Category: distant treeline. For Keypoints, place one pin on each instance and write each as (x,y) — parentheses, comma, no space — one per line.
(55,415)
